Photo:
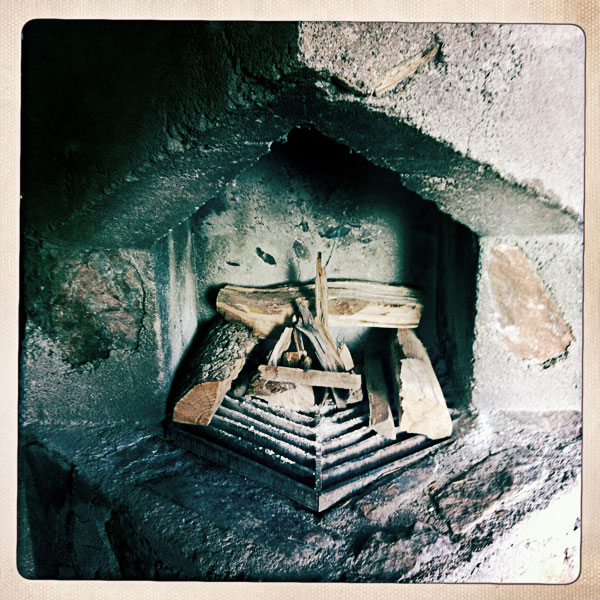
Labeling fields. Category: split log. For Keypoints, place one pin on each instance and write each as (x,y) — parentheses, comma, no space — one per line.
(346,357)
(291,396)
(294,359)
(421,403)
(321,295)
(298,340)
(324,346)
(312,377)
(320,338)
(305,361)
(283,343)
(207,373)
(381,419)
(350,304)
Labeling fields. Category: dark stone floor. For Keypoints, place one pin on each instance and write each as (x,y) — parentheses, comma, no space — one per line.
(121,502)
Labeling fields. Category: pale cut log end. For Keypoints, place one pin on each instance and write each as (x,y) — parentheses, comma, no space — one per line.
(422,415)
(199,405)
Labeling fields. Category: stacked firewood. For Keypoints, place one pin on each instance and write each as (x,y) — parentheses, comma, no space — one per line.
(292,384)
(306,367)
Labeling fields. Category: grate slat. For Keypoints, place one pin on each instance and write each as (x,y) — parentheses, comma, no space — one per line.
(357,466)
(251,409)
(258,454)
(285,450)
(277,433)
(333,457)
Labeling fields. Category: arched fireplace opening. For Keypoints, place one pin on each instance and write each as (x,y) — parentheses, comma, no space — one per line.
(312,196)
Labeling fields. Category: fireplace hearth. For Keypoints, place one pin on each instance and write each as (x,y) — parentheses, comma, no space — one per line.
(203,165)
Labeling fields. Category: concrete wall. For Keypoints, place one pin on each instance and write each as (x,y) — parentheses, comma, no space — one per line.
(312,195)
(127,130)
(176,285)
(147,181)
(110,108)
(505,379)
(89,341)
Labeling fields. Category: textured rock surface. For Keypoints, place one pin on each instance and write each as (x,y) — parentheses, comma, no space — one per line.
(114,125)
(487,86)
(518,556)
(529,321)
(235,88)
(502,378)
(467,498)
(170,515)
(121,378)
(89,303)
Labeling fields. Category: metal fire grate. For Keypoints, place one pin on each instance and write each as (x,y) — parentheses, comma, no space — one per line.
(315,459)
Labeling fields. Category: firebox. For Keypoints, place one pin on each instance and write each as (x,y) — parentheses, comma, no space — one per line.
(393,260)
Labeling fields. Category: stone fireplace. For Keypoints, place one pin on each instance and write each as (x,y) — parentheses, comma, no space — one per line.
(162,161)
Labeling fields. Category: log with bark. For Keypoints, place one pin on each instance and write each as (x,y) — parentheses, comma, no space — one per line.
(420,400)
(350,304)
(207,373)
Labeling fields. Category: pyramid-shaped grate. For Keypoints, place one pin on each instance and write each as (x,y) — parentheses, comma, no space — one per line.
(317,459)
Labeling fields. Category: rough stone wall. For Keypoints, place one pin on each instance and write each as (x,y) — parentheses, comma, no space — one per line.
(505,95)
(128,128)
(122,173)
(312,195)
(477,131)
(89,344)
(110,107)
(537,353)
(172,516)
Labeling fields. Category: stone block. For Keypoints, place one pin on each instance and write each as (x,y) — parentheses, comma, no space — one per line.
(529,322)
(89,303)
